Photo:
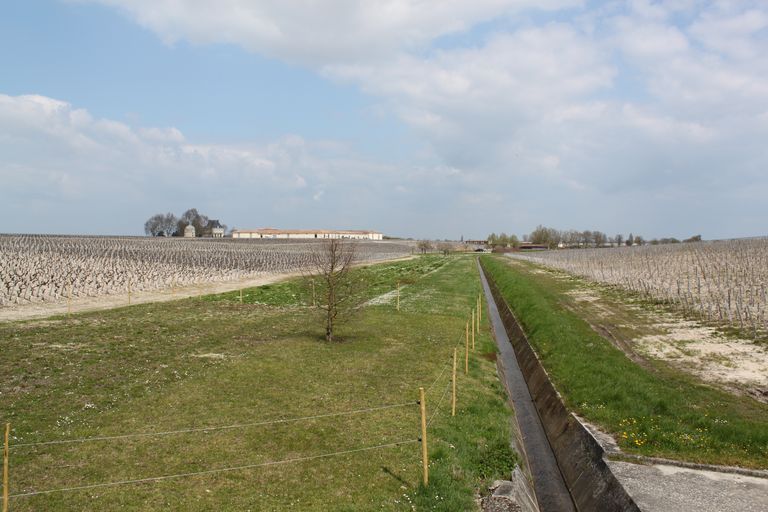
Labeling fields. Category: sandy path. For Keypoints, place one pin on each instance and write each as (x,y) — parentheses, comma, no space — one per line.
(46,309)
(41,310)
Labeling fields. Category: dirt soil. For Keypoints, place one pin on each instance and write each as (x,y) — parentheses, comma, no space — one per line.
(42,310)
(735,364)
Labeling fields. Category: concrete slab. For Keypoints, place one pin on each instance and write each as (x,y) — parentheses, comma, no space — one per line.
(663,488)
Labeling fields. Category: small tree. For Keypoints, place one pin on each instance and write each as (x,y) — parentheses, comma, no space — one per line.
(445,247)
(153,226)
(331,262)
(424,246)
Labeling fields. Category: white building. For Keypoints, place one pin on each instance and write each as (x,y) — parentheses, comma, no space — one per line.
(189,231)
(265,233)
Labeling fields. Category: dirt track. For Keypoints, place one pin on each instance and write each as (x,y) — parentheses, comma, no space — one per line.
(42,310)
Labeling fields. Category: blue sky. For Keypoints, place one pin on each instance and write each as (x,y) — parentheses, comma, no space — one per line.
(415,118)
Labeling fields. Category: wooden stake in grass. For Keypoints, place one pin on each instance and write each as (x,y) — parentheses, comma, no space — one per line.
(473,329)
(5,467)
(314,301)
(479,310)
(466,352)
(424,455)
(453,402)
(398,295)
(241,295)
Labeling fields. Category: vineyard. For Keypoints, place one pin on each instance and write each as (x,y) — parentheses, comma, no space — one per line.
(38,268)
(722,281)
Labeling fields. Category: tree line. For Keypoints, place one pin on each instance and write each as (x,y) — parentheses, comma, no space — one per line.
(553,238)
(167,224)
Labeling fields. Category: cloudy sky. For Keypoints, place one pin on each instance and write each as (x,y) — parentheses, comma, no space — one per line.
(419,118)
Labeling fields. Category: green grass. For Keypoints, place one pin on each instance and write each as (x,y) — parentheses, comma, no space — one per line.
(212,361)
(373,280)
(656,411)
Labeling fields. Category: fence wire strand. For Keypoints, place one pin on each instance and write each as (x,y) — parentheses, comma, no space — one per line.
(214,428)
(439,403)
(211,471)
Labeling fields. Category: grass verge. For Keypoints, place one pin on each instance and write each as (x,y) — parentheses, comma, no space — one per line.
(656,411)
(212,361)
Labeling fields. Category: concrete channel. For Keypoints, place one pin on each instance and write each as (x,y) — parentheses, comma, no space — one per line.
(564,462)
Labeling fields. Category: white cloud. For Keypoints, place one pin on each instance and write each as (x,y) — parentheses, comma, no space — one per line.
(320,33)
(621,104)
(63,167)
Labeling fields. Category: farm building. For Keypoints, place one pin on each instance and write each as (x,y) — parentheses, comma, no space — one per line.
(189,231)
(306,233)
(214,229)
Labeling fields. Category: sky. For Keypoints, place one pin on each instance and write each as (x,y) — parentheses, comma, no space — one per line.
(416,118)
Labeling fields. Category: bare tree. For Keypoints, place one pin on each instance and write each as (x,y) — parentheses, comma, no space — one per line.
(446,248)
(168,224)
(154,225)
(331,262)
(424,246)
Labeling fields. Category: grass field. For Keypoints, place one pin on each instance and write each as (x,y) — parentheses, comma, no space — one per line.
(198,364)
(657,410)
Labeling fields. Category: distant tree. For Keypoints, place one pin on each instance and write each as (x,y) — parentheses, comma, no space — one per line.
(154,225)
(514,241)
(331,262)
(545,236)
(654,241)
(503,240)
(493,239)
(619,240)
(599,238)
(168,224)
(571,238)
(639,240)
(194,218)
(694,238)
(445,247)
(630,240)
(424,246)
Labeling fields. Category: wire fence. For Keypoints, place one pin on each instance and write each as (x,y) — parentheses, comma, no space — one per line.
(213,428)
(211,471)
(252,424)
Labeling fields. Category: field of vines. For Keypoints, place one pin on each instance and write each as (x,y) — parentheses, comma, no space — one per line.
(39,268)
(725,282)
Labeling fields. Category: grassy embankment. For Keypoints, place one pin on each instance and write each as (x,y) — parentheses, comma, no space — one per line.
(211,361)
(655,411)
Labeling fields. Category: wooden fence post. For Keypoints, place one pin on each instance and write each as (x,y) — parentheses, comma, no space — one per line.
(453,402)
(5,467)
(424,454)
(473,329)
(466,352)
(479,311)
(241,295)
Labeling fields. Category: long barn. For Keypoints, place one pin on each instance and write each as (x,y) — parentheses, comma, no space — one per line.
(307,234)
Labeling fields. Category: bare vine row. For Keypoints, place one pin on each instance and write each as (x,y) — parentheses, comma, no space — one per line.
(723,281)
(39,268)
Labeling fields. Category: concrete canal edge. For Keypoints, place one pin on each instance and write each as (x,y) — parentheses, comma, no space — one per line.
(587,481)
